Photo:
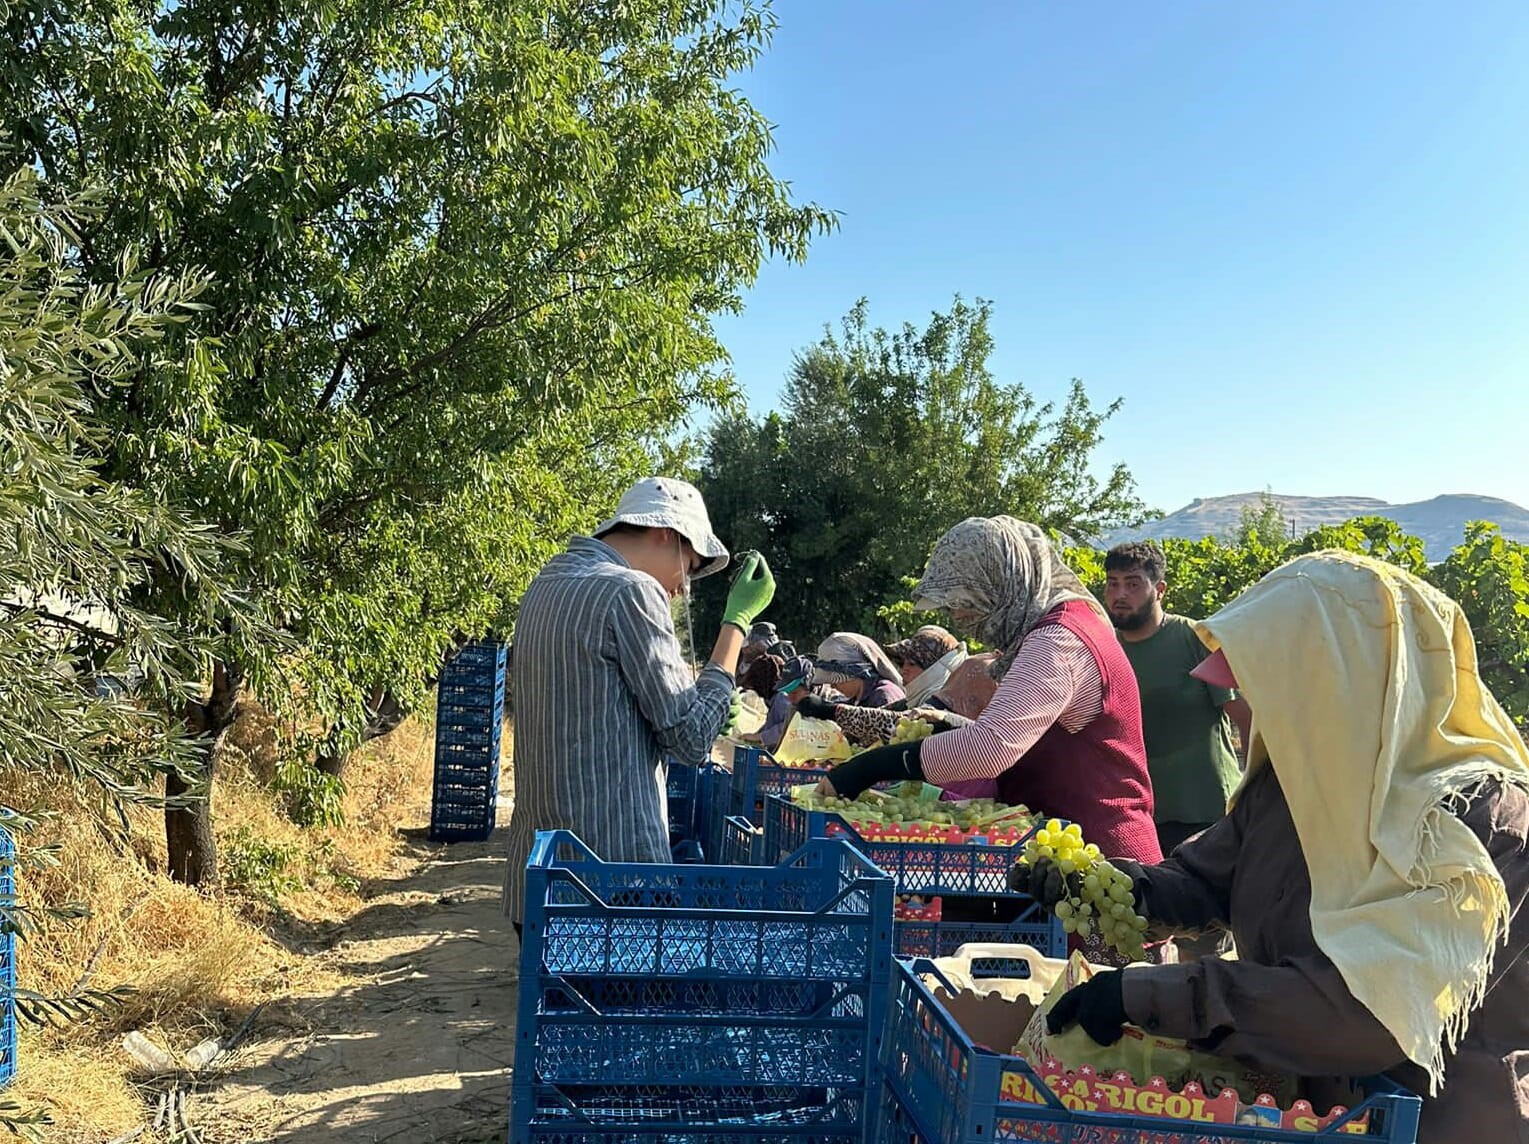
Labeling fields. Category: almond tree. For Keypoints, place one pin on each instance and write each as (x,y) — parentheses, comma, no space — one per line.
(463,259)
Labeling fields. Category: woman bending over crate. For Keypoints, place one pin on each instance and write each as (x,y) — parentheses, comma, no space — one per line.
(1062,733)
(1373,868)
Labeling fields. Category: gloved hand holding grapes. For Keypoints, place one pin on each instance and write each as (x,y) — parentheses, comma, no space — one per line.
(752,590)
(1043,880)
(1073,880)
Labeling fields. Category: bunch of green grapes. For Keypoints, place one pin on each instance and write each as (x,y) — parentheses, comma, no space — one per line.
(1100,898)
(911,731)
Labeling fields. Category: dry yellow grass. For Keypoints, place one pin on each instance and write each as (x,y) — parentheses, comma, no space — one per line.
(199,963)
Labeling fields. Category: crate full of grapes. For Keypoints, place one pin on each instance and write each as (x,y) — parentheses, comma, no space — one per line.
(928,846)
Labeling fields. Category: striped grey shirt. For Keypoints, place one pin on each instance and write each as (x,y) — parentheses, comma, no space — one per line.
(601,693)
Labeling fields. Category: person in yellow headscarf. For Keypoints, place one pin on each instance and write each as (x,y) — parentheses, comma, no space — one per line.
(1373,867)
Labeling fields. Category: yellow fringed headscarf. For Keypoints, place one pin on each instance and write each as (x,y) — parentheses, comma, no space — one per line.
(1368,704)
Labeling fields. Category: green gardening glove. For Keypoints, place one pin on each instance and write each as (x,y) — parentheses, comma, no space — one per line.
(752,590)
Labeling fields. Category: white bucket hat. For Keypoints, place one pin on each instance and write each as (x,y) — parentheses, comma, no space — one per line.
(661,502)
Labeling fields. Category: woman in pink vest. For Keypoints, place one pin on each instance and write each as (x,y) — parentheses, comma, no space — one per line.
(1062,733)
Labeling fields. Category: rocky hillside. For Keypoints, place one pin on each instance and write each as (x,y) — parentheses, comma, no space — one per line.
(1439,522)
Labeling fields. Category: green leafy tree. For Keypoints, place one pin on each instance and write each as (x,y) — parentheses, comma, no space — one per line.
(1265,524)
(93,687)
(1376,536)
(462,264)
(885,440)
(1489,576)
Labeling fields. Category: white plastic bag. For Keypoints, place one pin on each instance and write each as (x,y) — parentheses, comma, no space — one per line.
(812,741)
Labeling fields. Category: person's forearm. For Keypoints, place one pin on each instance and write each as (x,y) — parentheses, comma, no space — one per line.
(891,763)
(727,649)
(864,726)
(689,740)
(1265,1013)
(1173,899)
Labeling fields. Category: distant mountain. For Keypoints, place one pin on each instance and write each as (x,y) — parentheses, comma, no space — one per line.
(1439,523)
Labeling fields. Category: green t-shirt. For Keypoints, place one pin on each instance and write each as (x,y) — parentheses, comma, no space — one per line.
(1189,739)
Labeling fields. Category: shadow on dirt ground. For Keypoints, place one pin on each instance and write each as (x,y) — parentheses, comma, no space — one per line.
(418,1046)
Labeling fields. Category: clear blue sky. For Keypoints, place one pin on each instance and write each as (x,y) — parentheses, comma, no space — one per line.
(1293,236)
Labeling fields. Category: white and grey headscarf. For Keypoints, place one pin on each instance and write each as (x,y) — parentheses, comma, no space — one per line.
(1006,572)
(849,655)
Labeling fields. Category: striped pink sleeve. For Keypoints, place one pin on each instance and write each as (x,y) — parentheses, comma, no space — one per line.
(1053,679)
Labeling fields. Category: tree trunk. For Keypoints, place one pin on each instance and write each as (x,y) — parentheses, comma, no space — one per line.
(383,714)
(189,841)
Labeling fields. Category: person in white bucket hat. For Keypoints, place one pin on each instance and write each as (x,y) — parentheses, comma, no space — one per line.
(602,691)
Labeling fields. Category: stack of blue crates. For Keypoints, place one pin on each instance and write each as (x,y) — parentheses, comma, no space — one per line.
(469,718)
(670,1004)
(7,962)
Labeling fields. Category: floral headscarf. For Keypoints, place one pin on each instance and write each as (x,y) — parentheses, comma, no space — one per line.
(1006,572)
(924,648)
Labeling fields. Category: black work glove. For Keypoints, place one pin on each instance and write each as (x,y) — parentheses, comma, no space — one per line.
(891,763)
(816,707)
(1043,880)
(1098,1005)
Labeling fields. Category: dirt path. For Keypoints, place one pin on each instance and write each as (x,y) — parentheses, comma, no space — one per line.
(416,1046)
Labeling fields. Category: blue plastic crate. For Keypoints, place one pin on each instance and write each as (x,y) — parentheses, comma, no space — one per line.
(450,758)
(703,1122)
(682,792)
(740,842)
(741,791)
(455,824)
(467,770)
(477,723)
(469,705)
(464,735)
(927,868)
(952,1091)
(473,792)
(756,776)
(464,805)
(7,962)
(687,1002)
(481,655)
(897,1125)
(1034,927)
(718,784)
(689,791)
(681,779)
(471,695)
(681,797)
(918,867)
